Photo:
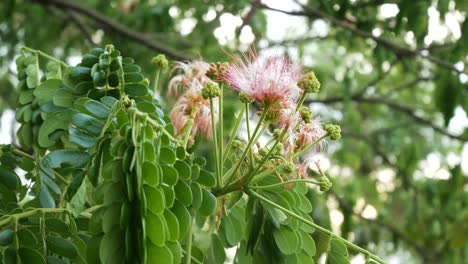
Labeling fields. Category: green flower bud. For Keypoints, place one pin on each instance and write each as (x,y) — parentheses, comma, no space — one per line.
(263,151)
(217,71)
(160,61)
(289,168)
(324,183)
(279,149)
(211,90)
(245,98)
(334,131)
(277,133)
(309,83)
(306,114)
(236,144)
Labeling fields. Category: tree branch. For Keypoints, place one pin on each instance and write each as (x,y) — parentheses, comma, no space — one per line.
(395,106)
(347,25)
(81,26)
(114,26)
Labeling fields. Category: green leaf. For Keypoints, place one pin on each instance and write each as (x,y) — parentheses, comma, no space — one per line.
(136,89)
(97,109)
(336,258)
(63,97)
(159,254)
(133,78)
(9,178)
(308,244)
(172,225)
(6,237)
(61,246)
(176,251)
(88,123)
(58,120)
(197,195)
(206,178)
(45,198)
(183,169)
(208,205)
(286,240)
(30,256)
(155,199)
(81,139)
(26,237)
(338,247)
(57,226)
(92,252)
(183,193)
(150,174)
(184,218)
(46,91)
(169,194)
(155,225)
(111,248)
(167,155)
(10,256)
(170,175)
(65,158)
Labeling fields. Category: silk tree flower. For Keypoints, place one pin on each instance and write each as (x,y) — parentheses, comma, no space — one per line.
(192,105)
(304,135)
(191,75)
(269,80)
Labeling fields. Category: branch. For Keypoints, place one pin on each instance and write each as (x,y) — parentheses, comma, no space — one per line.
(81,26)
(248,18)
(114,26)
(394,230)
(395,106)
(395,48)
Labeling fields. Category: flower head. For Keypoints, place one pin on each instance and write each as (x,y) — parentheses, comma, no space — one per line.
(306,134)
(192,75)
(269,80)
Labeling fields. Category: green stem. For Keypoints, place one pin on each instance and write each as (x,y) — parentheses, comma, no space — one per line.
(21,153)
(215,141)
(266,173)
(193,259)
(158,126)
(38,52)
(314,225)
(249,145)
(247,123)
(37,211)
(221,150)
(188,256)
(301,101)
(266,187)
(232,136)
(156,81)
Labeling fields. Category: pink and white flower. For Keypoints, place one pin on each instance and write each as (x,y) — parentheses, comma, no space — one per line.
(269,80)
(191,104)
(305,135)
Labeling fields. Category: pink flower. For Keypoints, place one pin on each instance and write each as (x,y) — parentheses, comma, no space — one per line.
(192,74)
(305,135)
(269,80)
(191,104)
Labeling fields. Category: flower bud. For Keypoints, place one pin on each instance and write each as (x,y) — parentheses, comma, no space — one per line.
(160,61)
(306,114)
(236,144)
(277,132)
(217,71)
(289,168)
(309,83)
(245,98)
(334,131)
(324,183)
(211,90)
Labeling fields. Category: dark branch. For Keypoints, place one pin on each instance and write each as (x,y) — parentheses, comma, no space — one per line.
(114,26)
(395,106)
(248,18)
(347,25)
(81,26)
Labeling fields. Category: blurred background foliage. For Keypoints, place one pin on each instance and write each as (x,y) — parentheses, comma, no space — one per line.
(394,75)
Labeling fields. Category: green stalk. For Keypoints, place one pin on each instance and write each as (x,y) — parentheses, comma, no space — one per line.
(35,211)
(188,256)
(215,141)
(38,52)
(249,145)
(266,187)
(314,225)
(233,134)
(247,123)
(156,81)
(220,114)
(301,101)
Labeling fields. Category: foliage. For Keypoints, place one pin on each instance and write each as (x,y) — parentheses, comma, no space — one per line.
(393,88)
